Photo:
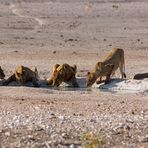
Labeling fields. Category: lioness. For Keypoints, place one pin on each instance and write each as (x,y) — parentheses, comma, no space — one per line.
(63,73)
(23,75)
(107,67)
(2,75)
(141,76)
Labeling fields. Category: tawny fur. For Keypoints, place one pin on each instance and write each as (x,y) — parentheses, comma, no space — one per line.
(63,73)
(107,67)
(23,75)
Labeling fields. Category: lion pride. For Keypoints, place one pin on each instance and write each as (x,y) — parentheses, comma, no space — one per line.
(63,73)
(23,75)
(107,67)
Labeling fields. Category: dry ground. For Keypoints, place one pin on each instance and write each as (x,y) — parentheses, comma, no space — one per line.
(43,33)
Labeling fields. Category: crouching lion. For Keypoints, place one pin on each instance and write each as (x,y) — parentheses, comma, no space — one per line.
(2,75)
(63,73)
(107,67)
(23,75)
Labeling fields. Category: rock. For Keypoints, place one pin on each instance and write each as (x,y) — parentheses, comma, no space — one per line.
(138,40)
(121,129)
(72,146)
(62,118)
(54,52)
(7,134)
(47,145)
(93,120)
(143,139)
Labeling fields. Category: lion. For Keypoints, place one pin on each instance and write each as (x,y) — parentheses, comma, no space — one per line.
(107,67)
(23,75)
(2,75)
(141,76)
(63,73)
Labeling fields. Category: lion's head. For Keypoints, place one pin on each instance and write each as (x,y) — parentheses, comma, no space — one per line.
(62,73)
(92,76)
(20,74)
(58,75)
(2,75)
(90,79)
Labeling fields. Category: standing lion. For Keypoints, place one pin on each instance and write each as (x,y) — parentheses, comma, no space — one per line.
(107,67)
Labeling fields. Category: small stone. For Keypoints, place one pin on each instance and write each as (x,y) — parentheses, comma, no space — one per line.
(47,145)
(72,146)
(7,134)
(64,135)
(133,112)
(61,118)
(54,52)
(93,120)
(122,102)
(121,129)
(143,139)
(115,6)
(74,52)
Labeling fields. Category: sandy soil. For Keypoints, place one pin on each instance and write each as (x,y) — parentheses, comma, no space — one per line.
(43,33)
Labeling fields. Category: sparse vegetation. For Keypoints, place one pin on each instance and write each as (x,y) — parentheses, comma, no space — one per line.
(91,140)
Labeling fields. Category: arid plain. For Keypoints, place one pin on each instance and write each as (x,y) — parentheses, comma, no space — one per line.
(46,32)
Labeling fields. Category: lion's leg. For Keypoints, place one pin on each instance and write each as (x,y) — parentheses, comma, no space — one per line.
(99,80)
(121,67)
(9,80)
(50,82)
(109,74)
(74,81)
(107,79)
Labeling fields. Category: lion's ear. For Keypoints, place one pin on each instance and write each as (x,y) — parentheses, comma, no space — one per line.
(65,66)
(98,65)
(22,66)
(55,67)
